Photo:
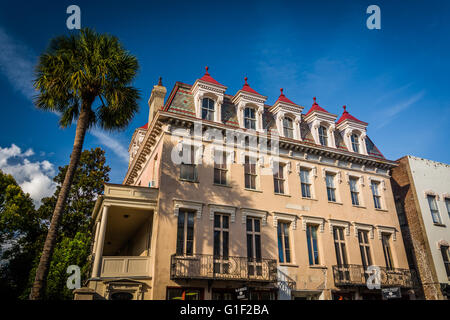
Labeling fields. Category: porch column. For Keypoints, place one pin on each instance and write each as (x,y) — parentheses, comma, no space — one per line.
(97,228)
(100,243)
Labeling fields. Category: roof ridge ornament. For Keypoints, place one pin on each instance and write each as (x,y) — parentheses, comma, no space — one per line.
(160,82)
(315,102)
(345,109)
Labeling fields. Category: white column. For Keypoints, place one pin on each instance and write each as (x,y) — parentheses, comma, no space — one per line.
(298,133)
(97,228)
(101,242)
(362,143)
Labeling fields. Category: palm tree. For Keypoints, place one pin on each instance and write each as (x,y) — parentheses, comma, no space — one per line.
(74,72)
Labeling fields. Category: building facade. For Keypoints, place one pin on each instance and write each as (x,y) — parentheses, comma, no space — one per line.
(422,193)
(225,192)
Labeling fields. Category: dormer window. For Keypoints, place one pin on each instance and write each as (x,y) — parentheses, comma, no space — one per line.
(208,109)
(355,142)
(323,138)
(288,127)
(250,118)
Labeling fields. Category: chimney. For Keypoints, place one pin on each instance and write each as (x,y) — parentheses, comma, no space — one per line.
(156,100)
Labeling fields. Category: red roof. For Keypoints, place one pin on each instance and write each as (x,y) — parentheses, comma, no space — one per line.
(348,116)
(207,77)
(145,126)
(247,88)
(282,98)
(316,107)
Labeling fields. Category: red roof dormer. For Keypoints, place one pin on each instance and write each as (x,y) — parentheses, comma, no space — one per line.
(282,98)
(348,116)
(145,126)
(247,88)
(207,78)
(316,107)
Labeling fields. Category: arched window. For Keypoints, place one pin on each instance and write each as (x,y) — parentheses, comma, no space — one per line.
(323,138)
(288,127)
(250,118)
(208,109)
(355,142)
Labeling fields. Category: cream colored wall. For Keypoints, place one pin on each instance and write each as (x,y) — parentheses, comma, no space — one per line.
(164,230)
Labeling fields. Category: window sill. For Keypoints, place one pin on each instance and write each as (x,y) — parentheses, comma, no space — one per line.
(317,267)
(282,194)
(335,202)
(439,225)
(358,206)
(306,198)
(222,185)
(288,265)
(253,190)
(382,210)
(186,180)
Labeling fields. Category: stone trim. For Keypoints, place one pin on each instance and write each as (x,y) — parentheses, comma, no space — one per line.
(313,220)
(190,205)
(292,218)
(362,226)
(386,229)
(254,213)
(339,223)
(213,208)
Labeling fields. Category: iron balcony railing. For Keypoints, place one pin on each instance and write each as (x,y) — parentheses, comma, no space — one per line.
(204,266)
(357,275)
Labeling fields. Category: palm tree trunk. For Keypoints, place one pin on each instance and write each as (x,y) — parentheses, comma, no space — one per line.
(38,289)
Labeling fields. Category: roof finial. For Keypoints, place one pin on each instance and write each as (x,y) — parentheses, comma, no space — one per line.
(281,90)
(345,109)
(245,79)
(206,68)
(314,100)
(160,82)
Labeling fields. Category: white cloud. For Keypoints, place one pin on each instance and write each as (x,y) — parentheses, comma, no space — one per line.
(34,178)
(17,64)
(112,144)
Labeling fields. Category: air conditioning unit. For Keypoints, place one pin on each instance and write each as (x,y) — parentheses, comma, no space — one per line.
(152,184)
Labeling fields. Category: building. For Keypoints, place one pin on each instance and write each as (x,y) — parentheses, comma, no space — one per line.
(422,193)
(225,192)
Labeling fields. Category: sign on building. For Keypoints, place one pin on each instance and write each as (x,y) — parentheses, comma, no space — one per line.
(391,293)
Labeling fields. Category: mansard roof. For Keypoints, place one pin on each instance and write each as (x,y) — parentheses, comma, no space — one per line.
(181,101)
(348,116)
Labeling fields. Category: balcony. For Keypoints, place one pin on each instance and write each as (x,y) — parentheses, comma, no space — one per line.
(356,275)
(210,267)
(125,266)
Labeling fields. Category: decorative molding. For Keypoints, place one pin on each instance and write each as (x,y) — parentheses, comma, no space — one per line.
(254,213)
(385,229)
(189,205)
(292,218)
(431,193)
(313,220)
(213,208)
(339,223)
(362,226)
(442,243)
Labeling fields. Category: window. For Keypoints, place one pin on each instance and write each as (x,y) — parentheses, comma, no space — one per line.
(376,196)
(434,209)
(183,294)
(250,173)
(278,179)
(305,184)
(284,253)
(185,233)
(401,213)
(447,204)
(354,191)
(313,249)
(331,190)
(208,109)
(221,232)
(188,169)
(355,142)
(385,239)
(250,118)
(446,258)
(220,168)
(288,127)
(364,247)
(343,273)
(254,246)
(323,138)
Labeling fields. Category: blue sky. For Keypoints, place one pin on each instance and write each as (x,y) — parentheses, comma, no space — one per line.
(396,78)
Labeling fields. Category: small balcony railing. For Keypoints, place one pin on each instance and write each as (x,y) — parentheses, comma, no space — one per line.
(114,266)
(357,275)
(204,266)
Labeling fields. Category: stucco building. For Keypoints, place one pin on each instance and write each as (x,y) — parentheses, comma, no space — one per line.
(422,193)
(225,192)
